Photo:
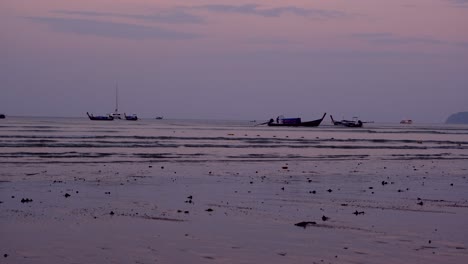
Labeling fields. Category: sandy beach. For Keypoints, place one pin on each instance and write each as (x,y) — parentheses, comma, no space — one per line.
(263,210)
(241,213)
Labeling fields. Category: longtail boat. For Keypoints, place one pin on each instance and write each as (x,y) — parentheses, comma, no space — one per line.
(294,122)
(100,118)
(347,123)
(133,117)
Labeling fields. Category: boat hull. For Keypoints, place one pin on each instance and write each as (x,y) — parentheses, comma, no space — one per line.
(314,123)
(100,118)
(346,123)
(131,118)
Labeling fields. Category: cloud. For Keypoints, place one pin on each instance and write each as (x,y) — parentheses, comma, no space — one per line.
(253,9)
(388,38)
(462,44)
(459,3)
(109,29)
(174,16)
(383,38)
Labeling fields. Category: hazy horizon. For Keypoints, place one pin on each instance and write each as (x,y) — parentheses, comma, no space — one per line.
(238,60)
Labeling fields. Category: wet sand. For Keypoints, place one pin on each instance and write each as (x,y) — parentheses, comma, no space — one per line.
(354,211)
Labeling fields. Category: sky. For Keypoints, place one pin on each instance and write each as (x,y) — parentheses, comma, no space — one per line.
(381,60)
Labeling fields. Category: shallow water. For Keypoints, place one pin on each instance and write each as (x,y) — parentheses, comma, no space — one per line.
(79,140)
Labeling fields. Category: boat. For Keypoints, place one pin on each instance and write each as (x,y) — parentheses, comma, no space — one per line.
(159,117)
(347,123)
(100,118)
(294,122)
(406,121)
(133,117)
(2,116)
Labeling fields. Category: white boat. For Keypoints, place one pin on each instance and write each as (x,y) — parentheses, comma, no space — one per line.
(406,121)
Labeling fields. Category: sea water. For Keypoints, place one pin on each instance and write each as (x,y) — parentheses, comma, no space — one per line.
(26,140)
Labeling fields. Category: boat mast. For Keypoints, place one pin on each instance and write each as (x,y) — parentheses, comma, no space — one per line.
(116,98)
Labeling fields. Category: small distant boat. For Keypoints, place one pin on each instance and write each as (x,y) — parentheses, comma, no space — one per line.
(133,117)
(2,116)
(159,117)
(347,123)
(294,122)
(100,118)
(406,121)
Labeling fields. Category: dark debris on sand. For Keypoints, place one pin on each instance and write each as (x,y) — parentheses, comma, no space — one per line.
(26,200)
(304,224)
(189,199)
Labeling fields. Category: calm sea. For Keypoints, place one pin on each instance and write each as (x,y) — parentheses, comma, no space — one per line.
(79,140)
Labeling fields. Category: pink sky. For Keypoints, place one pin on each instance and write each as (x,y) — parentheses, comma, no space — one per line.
(236,59)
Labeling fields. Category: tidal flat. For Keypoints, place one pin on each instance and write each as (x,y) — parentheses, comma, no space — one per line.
(183,193)
(359,212)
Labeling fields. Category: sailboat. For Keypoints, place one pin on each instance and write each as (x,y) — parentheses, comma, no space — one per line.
(116,114)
